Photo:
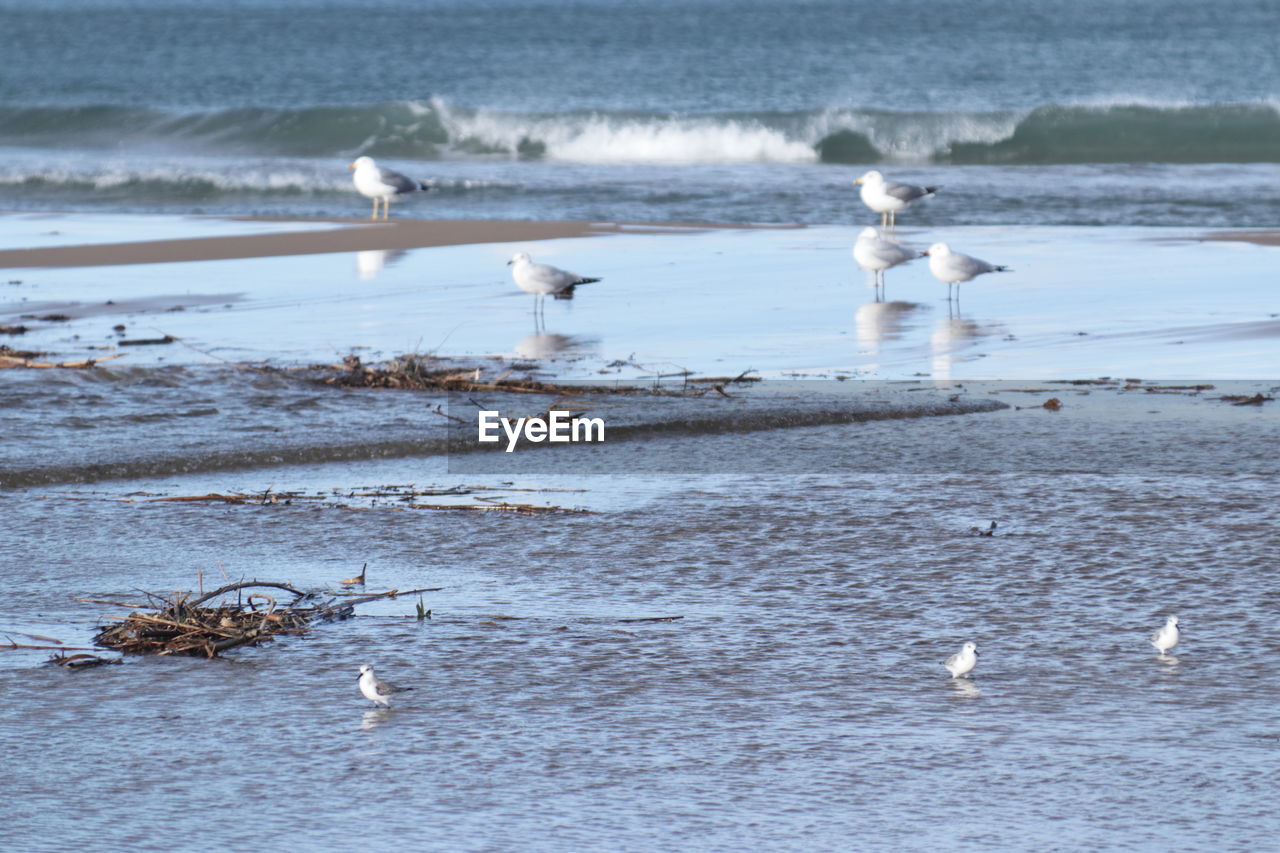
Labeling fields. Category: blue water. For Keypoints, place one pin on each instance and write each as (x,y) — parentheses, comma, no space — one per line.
(1044,112)
(822,573)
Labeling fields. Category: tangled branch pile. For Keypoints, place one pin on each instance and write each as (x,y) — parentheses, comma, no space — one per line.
(186,627)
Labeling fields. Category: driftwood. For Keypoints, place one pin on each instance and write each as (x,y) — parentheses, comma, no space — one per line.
(81,661)
(427,373)
(10,361)
(184,626)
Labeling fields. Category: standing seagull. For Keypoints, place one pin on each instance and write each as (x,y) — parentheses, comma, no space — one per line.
(887,198)
(380,184)
(1167,637)
(963,661)
(375,689)
(543,279)
(877,254)
(953,267)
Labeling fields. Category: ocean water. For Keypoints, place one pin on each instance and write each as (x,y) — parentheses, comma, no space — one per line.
(1154,112)
(809,539)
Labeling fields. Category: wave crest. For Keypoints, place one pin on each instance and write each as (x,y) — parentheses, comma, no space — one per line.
(435,129)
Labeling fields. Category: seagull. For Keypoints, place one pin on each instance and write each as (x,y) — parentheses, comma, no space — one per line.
(953,267)
(375,689)
(380,184)
(543,279)
(962,662)
(1167,637)
(887,198)
(877,254)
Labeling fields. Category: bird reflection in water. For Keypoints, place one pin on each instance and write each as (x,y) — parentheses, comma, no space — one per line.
(371,262)
(877,322)
(953,334)
(964,687)
(372,719)
(548,346)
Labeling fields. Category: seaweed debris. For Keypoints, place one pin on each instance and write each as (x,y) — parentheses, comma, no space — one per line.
(1244,400)
(414,372)
(211,624)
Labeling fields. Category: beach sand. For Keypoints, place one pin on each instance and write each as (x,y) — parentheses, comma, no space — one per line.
(346,235)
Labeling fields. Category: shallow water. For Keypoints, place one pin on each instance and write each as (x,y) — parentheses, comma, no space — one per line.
(1080,302)
(799,702)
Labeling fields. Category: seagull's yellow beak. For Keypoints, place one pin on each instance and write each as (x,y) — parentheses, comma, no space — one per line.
(855,180)
(351,165)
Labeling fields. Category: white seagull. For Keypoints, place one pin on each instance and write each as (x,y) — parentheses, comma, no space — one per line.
(963,661)
(375,689)
(877,254)
(953,267)
(372,181)
(887,198)
(544,279)
(1167,637)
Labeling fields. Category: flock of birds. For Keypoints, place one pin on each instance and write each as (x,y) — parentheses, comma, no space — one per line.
(874,251)
(959,665)
(877,251)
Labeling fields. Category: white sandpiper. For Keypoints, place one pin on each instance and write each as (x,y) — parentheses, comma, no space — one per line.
(1167,637)
(963,661)
(375,689)
(953,267)
(877,254)
(887,197)
(381,185)
(544,279)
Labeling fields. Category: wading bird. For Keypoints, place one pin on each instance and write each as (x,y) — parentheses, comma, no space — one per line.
(953,267)
(375,689)
(1167,637)
(887,198)
(544,279)
(877,254)
(963,661)
(372,181)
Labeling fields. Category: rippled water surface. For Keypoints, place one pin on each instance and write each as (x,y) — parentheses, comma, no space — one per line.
(798,703)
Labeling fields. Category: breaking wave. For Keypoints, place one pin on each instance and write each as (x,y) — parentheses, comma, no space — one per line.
(437,130)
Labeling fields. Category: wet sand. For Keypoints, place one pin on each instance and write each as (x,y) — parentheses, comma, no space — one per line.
(351,235)
(1259,237)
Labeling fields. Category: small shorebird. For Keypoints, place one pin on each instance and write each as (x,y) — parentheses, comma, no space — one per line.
(544,279)
(887,198)
(375,689)
(877,254)
(984,531)
(963,661)
(1167,637)
(953,267)
(372,181)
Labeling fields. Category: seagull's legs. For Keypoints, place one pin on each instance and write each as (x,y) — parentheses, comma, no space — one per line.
(375,214)
(386,208)
(884,221)
(893,220)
